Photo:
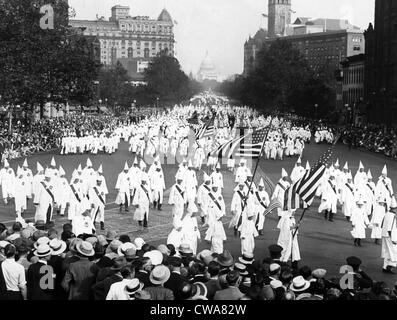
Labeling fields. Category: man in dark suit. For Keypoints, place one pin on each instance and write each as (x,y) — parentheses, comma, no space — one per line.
(213,284)
(101,288)
(200,270)
(143,273)
(39,287)
(232,292)
(176,279)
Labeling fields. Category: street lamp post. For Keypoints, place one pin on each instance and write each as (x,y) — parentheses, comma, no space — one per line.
(315,110)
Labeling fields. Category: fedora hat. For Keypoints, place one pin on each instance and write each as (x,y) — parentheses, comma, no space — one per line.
(225,259)
(111,235)
(118,263)
(159,275)
(241,268)
(85,248)
(133,286)
(57,246)
(43,250)
(40,241)
(199,291)
(122,250)
(299,284)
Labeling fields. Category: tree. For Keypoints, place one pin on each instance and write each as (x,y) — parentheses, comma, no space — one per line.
(167,81)
(37,65)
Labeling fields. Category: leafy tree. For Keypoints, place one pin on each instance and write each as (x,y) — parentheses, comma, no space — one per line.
(167,81)
(39,66)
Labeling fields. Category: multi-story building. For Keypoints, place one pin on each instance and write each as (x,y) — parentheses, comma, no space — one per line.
(381,64)
(279,12)
(353,71)
(135,38)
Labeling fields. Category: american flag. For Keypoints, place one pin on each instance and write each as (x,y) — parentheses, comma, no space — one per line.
(228,147)
(206,130)
(300,195)
(274,204)
(251,145)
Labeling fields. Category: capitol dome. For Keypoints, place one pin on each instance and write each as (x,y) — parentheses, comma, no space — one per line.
(207,70)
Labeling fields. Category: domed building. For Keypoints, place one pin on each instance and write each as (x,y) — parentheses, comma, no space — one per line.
(207,70)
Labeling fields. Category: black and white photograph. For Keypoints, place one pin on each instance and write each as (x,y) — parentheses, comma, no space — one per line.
(206,152)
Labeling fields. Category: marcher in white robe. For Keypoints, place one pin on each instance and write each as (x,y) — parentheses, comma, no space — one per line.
(28,179)
(281,187)
(142,201)
(360,222)
(97,195)
(369,194)
(380,209)
(190,183)
(177,199)
(216,211)
(190,231)
(389,241)
(385,187)
(361,177)
(157,185)
(217,177)
(203,198)
(63,192)
(236,207)
(199,157)
(123,189)
(45,200)
(261,201)
(176,234)
(242,171)
(7,181)
(20,194)
(83,224)
(287,226)
(348,198)
(231,163)
(298,172)
(76,200)
(248,234)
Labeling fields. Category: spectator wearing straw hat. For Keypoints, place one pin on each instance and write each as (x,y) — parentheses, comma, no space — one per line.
(158,277)
(124,289)
(36,287)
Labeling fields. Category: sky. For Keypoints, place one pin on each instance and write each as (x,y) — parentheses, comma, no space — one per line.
(222,26)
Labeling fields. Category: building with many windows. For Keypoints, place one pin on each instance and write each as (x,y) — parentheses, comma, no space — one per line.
(135,38)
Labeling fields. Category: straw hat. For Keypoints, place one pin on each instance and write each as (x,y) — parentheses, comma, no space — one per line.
(85,248)
(159,275)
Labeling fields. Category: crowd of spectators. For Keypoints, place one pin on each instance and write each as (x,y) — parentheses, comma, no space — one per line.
(116,267)
(28,137)
(374,138)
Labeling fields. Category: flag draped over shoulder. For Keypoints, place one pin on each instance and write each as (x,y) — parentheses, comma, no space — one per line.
(301,194)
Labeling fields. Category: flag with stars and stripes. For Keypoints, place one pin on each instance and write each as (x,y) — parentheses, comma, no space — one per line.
(226,149)
(251,145)
(206,130)
(300,195)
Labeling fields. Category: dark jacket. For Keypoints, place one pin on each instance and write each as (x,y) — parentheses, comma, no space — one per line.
(143,277)
(174,283)
(35,283)
(231,293)
(101,289)
(212,287)
(79,279)
(160,293)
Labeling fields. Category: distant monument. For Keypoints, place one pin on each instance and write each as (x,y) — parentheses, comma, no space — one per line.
(207,70)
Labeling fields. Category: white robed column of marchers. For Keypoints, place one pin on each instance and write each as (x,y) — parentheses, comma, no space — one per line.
(286,239)
(216,211)
(123,188)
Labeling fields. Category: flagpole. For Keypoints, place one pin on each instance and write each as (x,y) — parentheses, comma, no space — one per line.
(257,163)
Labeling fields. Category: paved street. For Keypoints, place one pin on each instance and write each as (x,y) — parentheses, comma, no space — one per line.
(322,244)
